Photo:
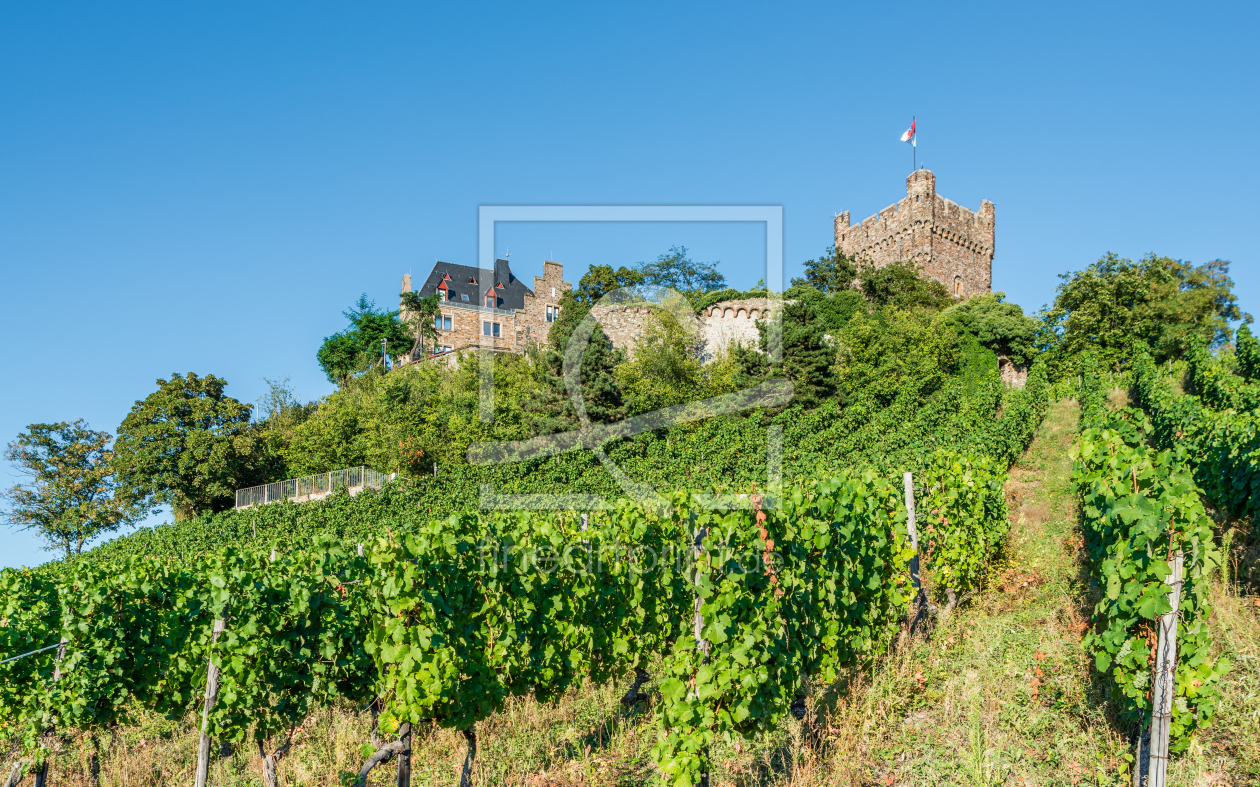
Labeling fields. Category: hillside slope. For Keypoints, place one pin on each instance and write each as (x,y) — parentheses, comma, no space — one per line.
(1001,694)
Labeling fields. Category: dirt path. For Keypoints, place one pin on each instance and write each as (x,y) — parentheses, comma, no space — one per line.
(1002,693)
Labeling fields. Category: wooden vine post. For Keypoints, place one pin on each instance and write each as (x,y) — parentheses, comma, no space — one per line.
(920,597)
(702,647)
(404,755)
(41,775)
(212,693)
(1165,671)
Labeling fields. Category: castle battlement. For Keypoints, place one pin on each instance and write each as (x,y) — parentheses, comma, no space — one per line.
(953,244)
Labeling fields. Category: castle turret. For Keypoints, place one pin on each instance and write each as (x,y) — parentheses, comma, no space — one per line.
(922,184)
(842,224)
(949,242)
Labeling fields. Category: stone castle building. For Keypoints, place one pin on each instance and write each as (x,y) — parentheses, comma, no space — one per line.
(492,308)
(495,309)
(949,242)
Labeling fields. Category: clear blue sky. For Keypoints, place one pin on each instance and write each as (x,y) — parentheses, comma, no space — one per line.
(206,187)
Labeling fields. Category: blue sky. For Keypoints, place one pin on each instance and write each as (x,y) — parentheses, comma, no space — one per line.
(207,187)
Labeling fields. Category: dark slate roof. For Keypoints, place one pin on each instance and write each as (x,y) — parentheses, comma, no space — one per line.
(511,294)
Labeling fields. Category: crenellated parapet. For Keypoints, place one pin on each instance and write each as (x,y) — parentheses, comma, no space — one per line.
(953,244)
(720,325)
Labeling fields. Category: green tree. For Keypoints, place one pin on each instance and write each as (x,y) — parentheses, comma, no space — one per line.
(1002,327)
(359,347)
(72,496)
(601,280)
(890,353)
(832,272)
(279,415)
(602,394)
(807,357)
(676,270)
(187,444)
(832,310)
(811,322)
(404,421)
(1248,353)
(421,313)
(902,285)
(1116,303)
(665,369)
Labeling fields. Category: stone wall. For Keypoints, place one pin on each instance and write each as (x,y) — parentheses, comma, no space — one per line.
(720,325)
(532,325)
(1013,376)
(623,325)
(951,243)
(733,322)
(467,328)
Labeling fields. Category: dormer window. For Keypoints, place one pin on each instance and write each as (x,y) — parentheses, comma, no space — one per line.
(490,301)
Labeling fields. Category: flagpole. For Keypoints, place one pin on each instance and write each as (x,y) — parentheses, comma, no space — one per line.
(914,143)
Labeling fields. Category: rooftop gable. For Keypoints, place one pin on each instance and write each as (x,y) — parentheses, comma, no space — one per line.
(511,291)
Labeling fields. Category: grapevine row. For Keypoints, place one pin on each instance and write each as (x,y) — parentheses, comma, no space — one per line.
(1140,507)
(443,620)
(1222,446)
(972,414)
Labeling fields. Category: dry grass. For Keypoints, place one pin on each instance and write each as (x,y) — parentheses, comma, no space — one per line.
(1001,694)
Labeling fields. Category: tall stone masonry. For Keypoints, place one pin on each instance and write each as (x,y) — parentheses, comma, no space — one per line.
(952,244)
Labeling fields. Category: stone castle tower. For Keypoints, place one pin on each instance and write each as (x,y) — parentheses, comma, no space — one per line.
(951,243)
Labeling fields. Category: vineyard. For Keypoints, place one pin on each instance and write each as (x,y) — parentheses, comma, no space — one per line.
(1140,508)
(904,435)
(747,601)
(1218,432)
(432,613)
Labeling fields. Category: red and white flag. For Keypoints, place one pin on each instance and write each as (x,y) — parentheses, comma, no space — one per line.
(909,135)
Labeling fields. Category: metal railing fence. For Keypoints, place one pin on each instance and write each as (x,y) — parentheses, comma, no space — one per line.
(350,478)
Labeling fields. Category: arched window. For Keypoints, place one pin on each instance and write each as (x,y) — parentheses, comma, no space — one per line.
(957,286)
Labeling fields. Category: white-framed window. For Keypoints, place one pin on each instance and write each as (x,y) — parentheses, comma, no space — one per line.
(442,323)
(490,301)
(553,313)
(441,295)
(489,329)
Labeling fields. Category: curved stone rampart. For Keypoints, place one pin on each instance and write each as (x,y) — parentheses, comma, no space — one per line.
(720,325)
